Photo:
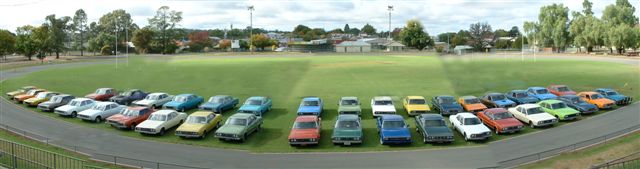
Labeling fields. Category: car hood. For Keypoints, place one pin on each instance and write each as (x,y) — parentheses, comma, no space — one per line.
(230,129)
(310,109)
(347,133)
(47,103)
(586,105)
(250,107)
(144,102)
(194,127)
(150,124)
(212,105)
(438,131)
(617,97)
(65,108)
(33,99)
(92,95)
(119,97)
(546,96)
(23,96)
(451,106)
(475,129)
(173,104)
(603,101)
(418,107)
(567,93)
(304,133)
(384,108)
(528,99)
(540,117)
(477,106)
(508,122)
(396,132)
(89,112)
(14,92)
(349,108)
(503,102)
(565,111)
(120,118)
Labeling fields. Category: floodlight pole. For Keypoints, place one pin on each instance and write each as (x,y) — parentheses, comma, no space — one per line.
(116,23)
(251,9)
(126,41)
(389,8)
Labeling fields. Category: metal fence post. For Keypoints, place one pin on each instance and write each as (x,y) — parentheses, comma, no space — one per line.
(55,160)
(114,160)
(13,153)
(158,165)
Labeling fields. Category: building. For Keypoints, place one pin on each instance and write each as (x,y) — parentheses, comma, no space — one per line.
(393,46)
(376,43)
(353,47)
(462,49)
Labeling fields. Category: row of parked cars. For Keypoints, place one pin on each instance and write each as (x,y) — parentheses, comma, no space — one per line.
(473,117)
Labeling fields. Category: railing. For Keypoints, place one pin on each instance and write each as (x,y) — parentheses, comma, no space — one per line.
(628,161)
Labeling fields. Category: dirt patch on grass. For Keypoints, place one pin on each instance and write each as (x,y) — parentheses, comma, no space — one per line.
(352,64)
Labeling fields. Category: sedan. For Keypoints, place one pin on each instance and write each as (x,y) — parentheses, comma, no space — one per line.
(184,102)
(161,121)
(100,111)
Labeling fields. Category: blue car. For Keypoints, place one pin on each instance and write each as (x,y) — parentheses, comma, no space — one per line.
(541,93)
(393,129)
(446,105)
(521,97)
(184,102)
(219,103)
(310,106)
(611,94)
(575,102)
(497,100)
(257,105)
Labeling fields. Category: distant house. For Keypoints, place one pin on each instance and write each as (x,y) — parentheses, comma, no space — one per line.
(393,46)
(320,45)
(462,49)
(376,43)
(353,47)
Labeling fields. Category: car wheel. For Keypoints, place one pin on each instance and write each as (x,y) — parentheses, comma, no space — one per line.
(204,135)
(153,106)
(244,138)
(381,143)
(133,126)
(218,125)
(162,131)
(531,124)
(465,136)
(74,114)
(98,119)
(424,139)
(496,129)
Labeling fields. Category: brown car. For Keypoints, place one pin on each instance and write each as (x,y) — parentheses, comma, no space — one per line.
(102,94)
(130,117)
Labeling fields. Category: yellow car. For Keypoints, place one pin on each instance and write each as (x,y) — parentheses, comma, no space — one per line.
(40,97)
(198,124)
(20,91)
(415,105)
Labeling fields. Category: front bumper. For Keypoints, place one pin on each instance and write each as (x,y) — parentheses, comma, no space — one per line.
(511,129)
(62,113)
(439,139)
(226,136)
(147,130)
(570,116)
(624,101)
(188,134)
(546,123)
(590,111)
(85,117)
(483,136)
(417,112)
(396,141)
(347,140)
(117,124)
(45,108)
(303,142)
(450,112)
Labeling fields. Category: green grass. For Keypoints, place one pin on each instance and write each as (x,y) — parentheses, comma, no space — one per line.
(287,80)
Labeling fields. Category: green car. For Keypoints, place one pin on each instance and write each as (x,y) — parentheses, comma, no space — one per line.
(239,126)
(349,105)
(559,109)
(347,130)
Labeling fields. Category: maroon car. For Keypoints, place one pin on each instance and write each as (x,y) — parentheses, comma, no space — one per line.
(560,90)
(500,120)
(102,94)
(130,117)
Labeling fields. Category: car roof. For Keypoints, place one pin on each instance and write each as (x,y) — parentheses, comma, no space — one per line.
(311,99)
(104,88)
(306,118)
(528,106)
(185,95)
(256,98)
(201,113)
(415,97)
(605,89)
(495,93)
(47,92)
(391,117)
(569,96)
(82,99)
(382,98)
(136,108)
(441,96)
(104,103)
(468,97)
(349,98)
(348,117)
(153,94)
(220,96)
(495,110)
(432,116)
(164,112)
(63,95)
(589,93)
(553,86)
(550,101)
(466,115)
(519,91)
(241,115)
(537,87)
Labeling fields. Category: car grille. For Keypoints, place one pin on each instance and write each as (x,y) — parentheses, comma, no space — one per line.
(61,112)
(385,112)
(348,112)
(397,138)
(546,122)
(440,137)
(244,111)
(419,112)
(570,116)
(306,113)
(302,140)
(226,135)
(146,129)
(511,128)
(346,138)
(116,123)
(186,133)
(43,108)
(480,135)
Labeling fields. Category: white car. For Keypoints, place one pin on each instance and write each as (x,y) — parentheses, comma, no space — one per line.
(160,121)
(100,111)
(382,105)
(154,100)
(470,126)
(74,106)
(533,115)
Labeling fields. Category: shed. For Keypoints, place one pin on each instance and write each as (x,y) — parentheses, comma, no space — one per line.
(353,47)
(394,46)
(462,49)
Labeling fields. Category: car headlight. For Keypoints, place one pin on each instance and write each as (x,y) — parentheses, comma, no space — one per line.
(235,135)
(429,137)
(386,138)
(313,139)
(357,138)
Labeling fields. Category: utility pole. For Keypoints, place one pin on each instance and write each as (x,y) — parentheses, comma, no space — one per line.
(116,23)
(251,9)
(389,8)
(126,41)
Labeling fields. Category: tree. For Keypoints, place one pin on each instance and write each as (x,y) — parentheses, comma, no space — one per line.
(346,28)
(300,30)
(261,41)
(413,35)
(7,43)
(25,45)
(514,32)
(461,38)
(368,29)
(79,25)
(621,37)
(622,12)
(619,21)
(585,29)
(520,40)
(199,40)
(551,29)
(446,37)
(42,39)
(142,39)
(116,22)
(337,30)
(58,33)
(164,21)
(501,33)
(480,35)
(225,44)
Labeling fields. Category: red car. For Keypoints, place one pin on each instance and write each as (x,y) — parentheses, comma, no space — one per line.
(130,117)
(102,94)
(305,131)
(560,90)
(500,120)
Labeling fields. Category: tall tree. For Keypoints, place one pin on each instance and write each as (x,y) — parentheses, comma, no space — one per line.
(261,41)
(42,40)
(58,33)
(414,35)
(7,43)
(164,21)
(514,32)
(585,29)
(79,27)
(481,35)
(199,40)
(142,39)
(117,22)
(346,28)
(619,21)
(368,29)
(551,29)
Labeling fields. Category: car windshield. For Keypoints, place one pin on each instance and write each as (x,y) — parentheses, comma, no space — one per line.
(597,96)
(471,121)
(32,92)
(393,124)
(197,120)
(502,115)
(612,93)
(310,103)
(238,121)
(558,105)
(131,113)
(434,123)
(383,102)
(534,110)
(521,95)
(576,100)
(75,103)
(349,102)
(563,89)
(253,102)
(41,95)
(417,101)
(127,93)
(101,91)
(497,97)
(446,100)
(542,91)
(215,100)
(99,107)
(158,117)
(347,124)
(180,99)
(305,125)
(56,99)
(472,101)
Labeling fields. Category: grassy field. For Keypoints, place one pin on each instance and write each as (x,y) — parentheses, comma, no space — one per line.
(287,80)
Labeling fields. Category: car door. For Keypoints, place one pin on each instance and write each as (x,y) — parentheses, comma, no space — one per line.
(459,123)
(171,120)
(518,114)
(252,124)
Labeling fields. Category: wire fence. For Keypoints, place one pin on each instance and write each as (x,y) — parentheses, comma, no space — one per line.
(628,161)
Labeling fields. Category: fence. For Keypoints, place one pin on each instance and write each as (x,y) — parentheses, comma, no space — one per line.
(628,161)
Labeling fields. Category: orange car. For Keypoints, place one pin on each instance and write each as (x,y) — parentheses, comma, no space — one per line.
(31,93)
(597,99)
(471,104)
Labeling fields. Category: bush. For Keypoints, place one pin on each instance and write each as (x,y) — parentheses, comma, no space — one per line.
(439,49)
(105,50)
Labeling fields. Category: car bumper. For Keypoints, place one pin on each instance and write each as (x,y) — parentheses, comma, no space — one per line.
(31,104)
(417,112)
(83,117)
(45,108)
(511,129)
(302,143)
(570,117)
(207,108)
(483,137)
(589,111)
(398,141)
(228,138)
(378,114)
(350,112)
(62,113)
(439,139)
(623,102)
(308,113)
(188,134)
(147,131)
(117,125)
(450,112)
(347,140)
(550,123)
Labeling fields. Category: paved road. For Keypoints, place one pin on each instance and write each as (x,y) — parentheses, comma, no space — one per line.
(96,140)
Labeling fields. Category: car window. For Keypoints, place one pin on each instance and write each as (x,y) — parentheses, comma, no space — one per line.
(41,95)
(563,89)
(535,110)
(393,124)
(542,91)
(253,102)
(501,115)
(99,107)
(417,101)
(305,125)
(446,100)
(520,95)
(127,93)
(471,121)
(158,117)
(347,124)
(180,99)
(56,99)
(459,118)
(597,96)
(611,93)
(197,120)
(497,97)
(472,101)
(349,102)
(129,112)
(434,123)
(310,103)
(383,102)
(238,121)
(558,105)
(74,103)
(520,109)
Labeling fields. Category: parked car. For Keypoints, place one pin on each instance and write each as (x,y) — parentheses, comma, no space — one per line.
(239,126)
(128,97)
(154,100)
(184,102)
(521,97)
(102,94)
(393,129)
(471,104)
(130,117)
(560,90)
(219,103)
(55,102)
(559,109)
(469,126)
(349,105)
(199,124)
(161,121)
(347,130)
(575,102)
(101,111)
(500,120)
(597,99)
(497,100)
(415,105)
(74,106)
(433,129)
(541,93)
(20,91)
(30,94)
(533,115)
(40,97)
(310,106)
(382,105)
(305,131)
(611,94)
(446,105)
(257,105)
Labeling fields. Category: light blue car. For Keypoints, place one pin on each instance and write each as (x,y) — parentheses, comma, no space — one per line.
(611,94)
(257,105)
(184,102)
(219,103)
(310,106)
(541,93)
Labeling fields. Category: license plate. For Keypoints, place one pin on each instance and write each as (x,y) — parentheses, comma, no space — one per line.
(347,143)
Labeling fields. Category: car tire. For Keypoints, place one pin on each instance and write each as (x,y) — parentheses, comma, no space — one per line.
(244,138)
(381,143)
(153,106)
(98,119)
(496,129)
(133,126)
(74,114)
(531,124)
(465,136)
(424,139)
(204,134)
(161,131)
(218,125)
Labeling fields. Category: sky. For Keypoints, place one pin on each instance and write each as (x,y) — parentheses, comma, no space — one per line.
(438,16)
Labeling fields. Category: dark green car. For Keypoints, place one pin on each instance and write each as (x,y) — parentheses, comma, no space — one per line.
(349,105)
(347,130)
(433,129)
(239,126)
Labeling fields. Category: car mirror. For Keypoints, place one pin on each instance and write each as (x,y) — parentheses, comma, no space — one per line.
(460,123)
